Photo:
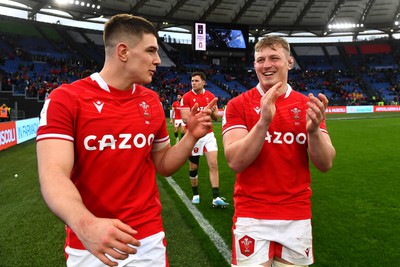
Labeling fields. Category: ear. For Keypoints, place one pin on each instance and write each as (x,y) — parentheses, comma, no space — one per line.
(122,52)
(290,63)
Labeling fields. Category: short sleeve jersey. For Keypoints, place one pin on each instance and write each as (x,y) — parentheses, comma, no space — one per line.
(113,133)
(190,98)
(177,110)
(276,186)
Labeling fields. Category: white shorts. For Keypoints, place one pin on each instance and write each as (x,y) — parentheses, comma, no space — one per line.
(152,252)
(178,122)
(257,241)
(207,143)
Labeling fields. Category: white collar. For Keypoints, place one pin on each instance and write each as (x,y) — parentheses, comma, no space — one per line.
(103,85)
(194,92)
(261,91)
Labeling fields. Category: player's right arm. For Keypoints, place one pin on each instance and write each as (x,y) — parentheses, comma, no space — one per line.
(185,108)
(98,235)
(242,147)
(172,119)
(185,114)
(169,159)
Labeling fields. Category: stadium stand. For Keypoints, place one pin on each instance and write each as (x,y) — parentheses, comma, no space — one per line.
(37,57)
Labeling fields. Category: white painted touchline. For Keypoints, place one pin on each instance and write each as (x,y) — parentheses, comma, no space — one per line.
(204,224)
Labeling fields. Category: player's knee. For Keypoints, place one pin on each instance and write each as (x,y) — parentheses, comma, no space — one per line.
(193,174)
(194,160)
(213,165)
(281,264)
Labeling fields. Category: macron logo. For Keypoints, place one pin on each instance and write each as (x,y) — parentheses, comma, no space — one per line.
(99,105)
(257,110)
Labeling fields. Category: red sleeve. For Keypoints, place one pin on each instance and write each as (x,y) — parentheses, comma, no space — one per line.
(56,117)
(185,101)
(233,116)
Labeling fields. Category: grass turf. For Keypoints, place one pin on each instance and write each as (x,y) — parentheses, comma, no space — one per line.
(355,205)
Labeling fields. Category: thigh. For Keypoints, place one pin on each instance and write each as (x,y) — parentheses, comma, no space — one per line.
(210,144)
(198,149)
(178,123)
(251,244)
(212,160)
(152,252)
(258,241)
(181,123)
(294,242)
(80,257)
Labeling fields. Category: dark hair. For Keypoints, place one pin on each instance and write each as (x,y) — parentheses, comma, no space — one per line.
(124,26)
(86,73)
(199,73)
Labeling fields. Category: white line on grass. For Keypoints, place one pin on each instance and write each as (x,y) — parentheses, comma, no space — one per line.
(204,224)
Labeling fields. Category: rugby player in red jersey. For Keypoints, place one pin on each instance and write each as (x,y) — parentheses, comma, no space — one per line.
(176,118)
(269,134)
(101,141)
(195,100)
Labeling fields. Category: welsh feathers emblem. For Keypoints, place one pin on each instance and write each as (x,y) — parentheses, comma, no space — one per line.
(145,109)
(296,112)
(246,245)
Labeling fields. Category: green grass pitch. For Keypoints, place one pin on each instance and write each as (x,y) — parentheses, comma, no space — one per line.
(356,206)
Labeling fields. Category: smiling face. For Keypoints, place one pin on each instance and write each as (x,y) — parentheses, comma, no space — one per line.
(272,63)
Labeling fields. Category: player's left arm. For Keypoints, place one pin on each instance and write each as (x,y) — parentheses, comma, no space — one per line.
(215,113)
(320,147)
(169,159)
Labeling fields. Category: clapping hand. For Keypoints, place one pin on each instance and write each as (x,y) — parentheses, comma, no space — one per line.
(199,123)
(316,111)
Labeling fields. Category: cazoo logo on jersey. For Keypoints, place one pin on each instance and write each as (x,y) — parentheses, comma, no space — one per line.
(123,141)
(287,138)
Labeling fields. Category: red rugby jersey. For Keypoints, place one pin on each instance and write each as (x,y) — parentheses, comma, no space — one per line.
(113,133)
(177,110)
(277,184)
(190,98)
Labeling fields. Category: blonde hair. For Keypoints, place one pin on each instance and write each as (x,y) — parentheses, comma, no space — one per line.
(272,41)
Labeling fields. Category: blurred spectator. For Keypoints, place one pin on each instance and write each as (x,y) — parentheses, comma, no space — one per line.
(4,113)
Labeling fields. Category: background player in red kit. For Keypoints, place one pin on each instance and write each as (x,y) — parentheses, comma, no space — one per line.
(101,141)
(207,145)
(269,133)
(176,118)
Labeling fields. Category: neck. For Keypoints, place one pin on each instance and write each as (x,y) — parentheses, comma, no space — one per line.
(282,90)
(120,83)
(198,91)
